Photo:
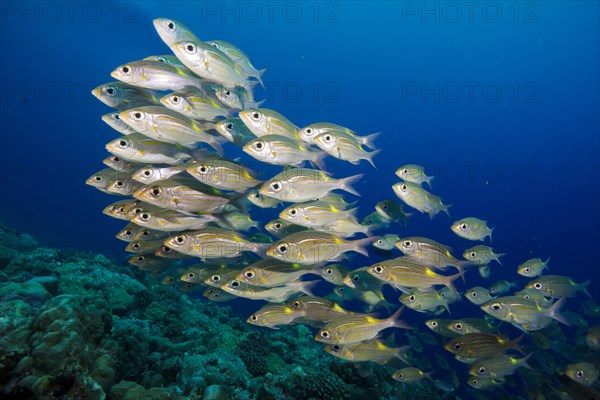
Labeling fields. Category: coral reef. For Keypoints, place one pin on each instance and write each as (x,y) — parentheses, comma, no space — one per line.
(75,325)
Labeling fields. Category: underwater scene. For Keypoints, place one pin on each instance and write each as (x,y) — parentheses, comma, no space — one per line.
(320,200)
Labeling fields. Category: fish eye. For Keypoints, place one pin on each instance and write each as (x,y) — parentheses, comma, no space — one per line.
(229,126)
(329,271)
(325,334)
(411,297)
(527,269)
(137,210)
(119,183)
(380,241)
(126,69)
(123,143)
(378,269)
(434,323)
(407,243)
(180,239)
(147,172)
(191,275)
(111,91)
(405,171)
(473,254)
(137,115)
(116,159)
(235,284)
(537,285)
(156,191)
(166,249)
(399,375)
(355,278)
(336,348)
(215,278)
(253,317)
(135,246)
(474,381)
(457,346)
(255,115)
(403,187)
(277,226)
(293,211)
(385,207)
(463,227)
(127,233)
(579,374)
(175,99)
(282,248)
(276,186)
(249,274)
(458,326)
(171,25)
(140,258)
(190,48)
(496,307)
(327,138)
(98,178)
(227,93)
(473,294)
(482,370)
(309,131)
(296,304)
(203,169)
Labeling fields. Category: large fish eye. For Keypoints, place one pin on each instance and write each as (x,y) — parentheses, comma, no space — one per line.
(496,307)
(255,115)
(434,323)
(336,348)
(166,249)
(191,275)
(227,93)
(527,269)
(127,233)
(473,294)
(482,370)
(327,138)
(123,143)
(355,278)
(282,248)
(98,178)
(277,226)
(203,169)
(170,25)
(309,131)
(378,269)
(138,115)
(379,241)
(457,346)
(190,48)
(329,271)
(399,375)
(385,207)
(463,227)
(472,254)
(140,259)
(296,304)
(579,374)
(537,285)
(180,239)
(249,274)
(405,171)
(474,381)
(156,191)
(403,187)
(408,243)
(293,211)
(259,145)
(174,99)
(458,326)
(137,210)
(229,126)
(276,186)
(126,69)
(135,246)
(325,334)
(115,158)
(145,233)
(235,283)
(147,172)
(215,278)
(411,297)
(119,184)
(253,317)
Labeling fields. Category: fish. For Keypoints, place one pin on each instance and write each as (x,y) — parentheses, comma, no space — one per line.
(151,173)
(424,301)
(235,131)
(254,197)
(345,228)
(471,325)
(472,229)
(334,273)
(337,200)
(486,384)
(114,121)
(262,122)
(484,271)
(310,247)
(478,295)
(557,286)
(223,174)
(172,31)
(584,373)
(273,315)
(128,233)
(421,200)
(440,326)
(283,150)
(120,208)
(118,164)
(318,309)
(370,350)
(341,145)
(270,273)
(481,345)
(169,126)
(590,308)
(414,173)
(393,211)
(240,58)
(211,243)
(498,367)
(150,262)
(519,311)
(142,149)
(237,220)
(239,98)
(218,295)
(449,295)
(481,255)
(386,242)
(122,96)
(169,59)
(376,221)
(196,105)
(501,287)
(315,214)
(170,221)
(156,75)
(406,272)
(281,228)
(167,252)
(185,195)
(430,253)
(532,267)
(123,187)
(144,247)
(278,294)
(309,132)
(410,375)
(361,280)
(358,328)
(302,184)
(102,179)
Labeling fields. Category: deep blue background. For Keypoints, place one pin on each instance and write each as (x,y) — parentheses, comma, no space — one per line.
(528,161)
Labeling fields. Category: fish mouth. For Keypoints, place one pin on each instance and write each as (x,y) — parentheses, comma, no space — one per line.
(96,93)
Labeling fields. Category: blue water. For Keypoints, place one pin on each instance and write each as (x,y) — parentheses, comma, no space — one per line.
(501,105)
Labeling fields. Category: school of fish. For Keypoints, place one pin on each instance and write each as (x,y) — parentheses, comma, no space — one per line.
(187,214)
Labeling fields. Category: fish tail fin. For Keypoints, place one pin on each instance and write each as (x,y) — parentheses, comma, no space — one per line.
(370,156)
(515,344)
(554,311)
(307,286)
(446,207)
(490,233)
(259,249)
(428,375)
(498,258)
(584,286)
(319,160)
(401,354)
(360,246)
(396,322)
(368,140)
(523,361)
(346,184)
(262,71)
(217,144)
(429,179)
(546,264)
(450,279)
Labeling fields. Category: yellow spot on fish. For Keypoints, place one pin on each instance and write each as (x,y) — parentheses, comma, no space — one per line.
(429,272)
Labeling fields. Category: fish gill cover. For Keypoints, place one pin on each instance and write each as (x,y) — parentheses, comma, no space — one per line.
(358,308)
